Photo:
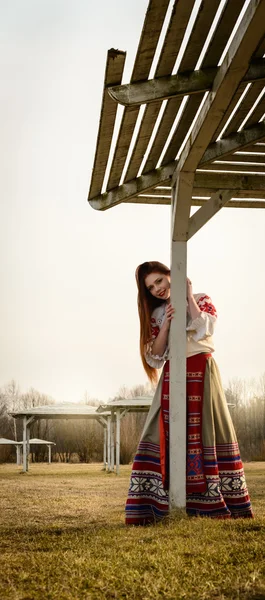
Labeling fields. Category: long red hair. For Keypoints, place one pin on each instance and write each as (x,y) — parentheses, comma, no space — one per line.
(146,304)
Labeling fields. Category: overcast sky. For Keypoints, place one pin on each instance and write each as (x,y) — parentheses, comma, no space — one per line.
(69,321)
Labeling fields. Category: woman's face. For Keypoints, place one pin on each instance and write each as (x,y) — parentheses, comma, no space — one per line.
(158,285)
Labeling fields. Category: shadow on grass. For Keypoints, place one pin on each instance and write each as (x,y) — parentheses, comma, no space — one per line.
(33,531)
(255,595)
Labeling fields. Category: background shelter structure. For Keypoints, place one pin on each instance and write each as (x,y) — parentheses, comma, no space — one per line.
(49,445)
(19,445)
(7,442)
(56,411)
(118,409)
(192,133)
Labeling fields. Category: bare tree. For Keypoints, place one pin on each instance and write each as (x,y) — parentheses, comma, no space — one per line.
(12,402)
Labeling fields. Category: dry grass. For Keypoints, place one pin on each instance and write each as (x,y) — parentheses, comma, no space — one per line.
(63,537)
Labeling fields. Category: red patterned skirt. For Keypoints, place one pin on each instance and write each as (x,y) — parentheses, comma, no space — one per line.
(215,482)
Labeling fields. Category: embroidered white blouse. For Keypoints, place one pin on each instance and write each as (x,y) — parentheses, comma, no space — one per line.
(199,331)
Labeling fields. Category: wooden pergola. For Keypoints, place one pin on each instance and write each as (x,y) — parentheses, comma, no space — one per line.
(39,442)
(57,411)
(191,134)
(117,409)
(7,442)
(19,445)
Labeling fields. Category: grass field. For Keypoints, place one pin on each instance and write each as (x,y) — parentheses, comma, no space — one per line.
(63,538)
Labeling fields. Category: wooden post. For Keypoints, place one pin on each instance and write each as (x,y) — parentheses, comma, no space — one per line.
(105,449)
(112,443)
(177,410)
(18,449)
(118,437)
(49,454)
(108,430)
(177,405)
(28,445)
(25,454)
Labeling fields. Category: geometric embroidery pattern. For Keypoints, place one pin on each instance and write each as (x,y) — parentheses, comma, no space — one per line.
(215,481)
(147,499)
(226,495)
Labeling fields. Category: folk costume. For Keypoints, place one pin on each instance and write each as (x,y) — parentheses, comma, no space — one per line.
(215,481)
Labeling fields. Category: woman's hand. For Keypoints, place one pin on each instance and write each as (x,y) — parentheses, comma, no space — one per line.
(192,306)
(169,314)
(189,289)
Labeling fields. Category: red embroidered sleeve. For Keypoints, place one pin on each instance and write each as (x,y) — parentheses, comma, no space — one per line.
(205,305)
(154,329)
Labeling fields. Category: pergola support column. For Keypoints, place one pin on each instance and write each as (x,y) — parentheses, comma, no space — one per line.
(104,422)
(28,446)
(177,410)
(26,432)
(183,228)
(25,455)
(181,202)
(26,423)
(118,438)
(105,449)
(18,449)
(112,440)
(108,436)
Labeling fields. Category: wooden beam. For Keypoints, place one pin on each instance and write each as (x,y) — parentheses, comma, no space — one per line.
(191,82)
(258,202)
(113,74)
(258,147)
(248,160)
(208,210)
(204,180)
(163,87)
(125,192)
(247,184)
(235,168)
(233,142)
(236,203)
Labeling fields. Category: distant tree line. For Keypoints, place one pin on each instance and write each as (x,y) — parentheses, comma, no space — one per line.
(248,414)
(81,440)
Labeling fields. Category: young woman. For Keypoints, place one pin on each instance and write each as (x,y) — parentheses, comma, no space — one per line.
(215,482)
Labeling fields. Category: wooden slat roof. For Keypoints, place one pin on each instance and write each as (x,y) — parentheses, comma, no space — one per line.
(146,50)
(140,165)
(58,411)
